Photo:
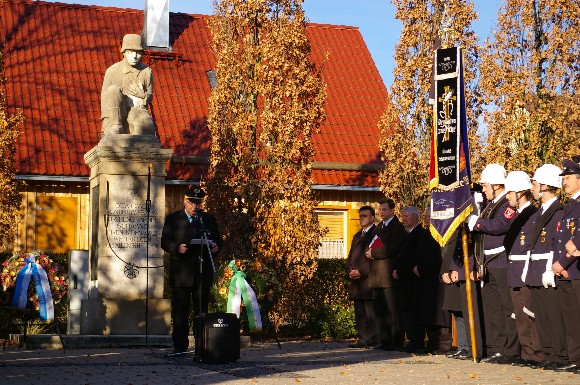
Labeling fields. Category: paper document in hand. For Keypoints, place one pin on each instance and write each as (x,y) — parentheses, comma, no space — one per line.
(376,242)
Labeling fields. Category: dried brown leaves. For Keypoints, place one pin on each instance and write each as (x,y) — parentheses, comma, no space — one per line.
(263,112)
(10,188)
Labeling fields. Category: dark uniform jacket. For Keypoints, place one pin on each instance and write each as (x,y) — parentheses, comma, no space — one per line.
(184,268)
(567,229)
(517,244)
(359,288)
(542,241)
(492,231)
(381,266)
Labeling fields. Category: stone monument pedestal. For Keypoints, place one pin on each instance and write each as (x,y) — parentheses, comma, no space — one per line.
(127,194)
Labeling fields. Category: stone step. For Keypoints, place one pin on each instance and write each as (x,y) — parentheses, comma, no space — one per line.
(52,341)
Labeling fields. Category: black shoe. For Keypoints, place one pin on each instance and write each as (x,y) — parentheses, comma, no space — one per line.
(544,365)
(566,368)
(466,355)
(491,357)
(358,345)
(457,353)
(498,358)
(524,363)
(438,352)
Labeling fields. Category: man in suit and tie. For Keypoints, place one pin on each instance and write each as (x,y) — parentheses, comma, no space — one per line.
(191,266)
(391,233)
(357,268)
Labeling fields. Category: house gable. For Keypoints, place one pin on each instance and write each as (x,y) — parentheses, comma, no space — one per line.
(57,54)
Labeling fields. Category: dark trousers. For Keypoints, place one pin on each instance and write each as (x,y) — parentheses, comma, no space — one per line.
(570,304)
(477,316)
(387,318)
(500,328)
(364,314)
(439,337)
(550,323)
(526,326)
(180,308)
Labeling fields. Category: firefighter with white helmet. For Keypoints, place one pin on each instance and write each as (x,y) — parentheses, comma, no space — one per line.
(517,245)
(567,255)
(539,276)
(490,229)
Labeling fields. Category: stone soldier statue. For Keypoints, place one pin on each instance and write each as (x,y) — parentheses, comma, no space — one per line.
(127,91)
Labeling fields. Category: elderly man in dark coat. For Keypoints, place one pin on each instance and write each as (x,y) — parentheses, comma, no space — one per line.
(357,268)
(420,293)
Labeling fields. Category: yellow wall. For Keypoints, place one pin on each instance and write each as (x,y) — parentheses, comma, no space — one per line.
(54,216)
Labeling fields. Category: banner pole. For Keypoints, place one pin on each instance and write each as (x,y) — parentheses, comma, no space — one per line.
(468,290)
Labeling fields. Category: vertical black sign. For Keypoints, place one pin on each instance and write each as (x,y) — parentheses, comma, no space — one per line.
(447,102)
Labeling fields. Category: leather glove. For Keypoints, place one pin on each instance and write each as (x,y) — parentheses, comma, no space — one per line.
(548,279)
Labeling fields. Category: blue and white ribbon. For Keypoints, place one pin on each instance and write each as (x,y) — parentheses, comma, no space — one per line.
(239,290)
(36,272)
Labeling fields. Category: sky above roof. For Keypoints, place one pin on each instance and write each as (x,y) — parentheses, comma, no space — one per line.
(374,18)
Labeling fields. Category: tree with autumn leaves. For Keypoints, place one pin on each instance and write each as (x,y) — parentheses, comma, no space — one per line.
(266,105)
(10,188)
(407,123)
(531,78)
(524,83)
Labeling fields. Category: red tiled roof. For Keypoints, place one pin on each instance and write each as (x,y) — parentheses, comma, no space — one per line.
(57,54)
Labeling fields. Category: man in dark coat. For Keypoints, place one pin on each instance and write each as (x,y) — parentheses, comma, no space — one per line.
(391,234)
(191,266)
(357,268)
(420,293)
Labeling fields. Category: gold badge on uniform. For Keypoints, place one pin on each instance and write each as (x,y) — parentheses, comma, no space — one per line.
(522,238)
(543,236)
(571,226)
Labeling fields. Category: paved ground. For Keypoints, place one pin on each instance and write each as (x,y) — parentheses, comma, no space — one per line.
(295,363)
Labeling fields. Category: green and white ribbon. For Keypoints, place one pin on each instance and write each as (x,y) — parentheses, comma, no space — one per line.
(239,290)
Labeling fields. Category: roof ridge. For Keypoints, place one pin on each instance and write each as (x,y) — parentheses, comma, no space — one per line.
(131,10)
(99,7)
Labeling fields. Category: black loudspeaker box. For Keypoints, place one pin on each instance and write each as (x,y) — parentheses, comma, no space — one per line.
(217,338)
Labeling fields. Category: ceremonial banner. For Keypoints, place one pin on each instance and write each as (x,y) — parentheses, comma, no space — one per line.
(450,173)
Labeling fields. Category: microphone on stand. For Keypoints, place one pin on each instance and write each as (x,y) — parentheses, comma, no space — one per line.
(204,234)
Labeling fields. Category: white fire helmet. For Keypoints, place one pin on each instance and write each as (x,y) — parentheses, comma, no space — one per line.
(493,174)
(517,181)
(548,174)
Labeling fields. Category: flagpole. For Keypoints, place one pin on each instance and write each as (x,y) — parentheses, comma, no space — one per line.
(468,290)
(446,187)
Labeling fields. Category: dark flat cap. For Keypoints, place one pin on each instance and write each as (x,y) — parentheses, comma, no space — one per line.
(571,166)
(194,193)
